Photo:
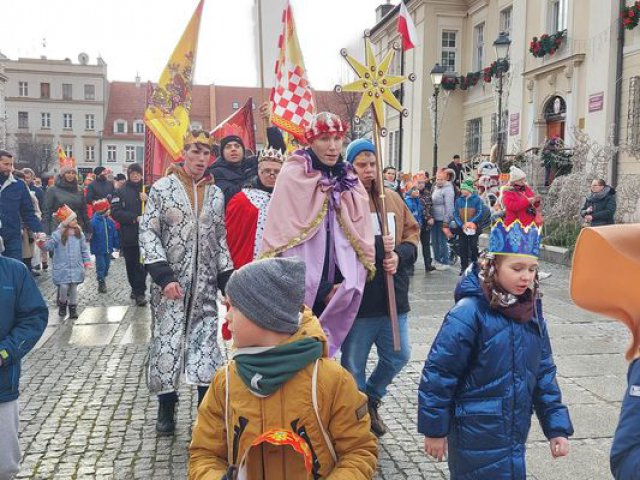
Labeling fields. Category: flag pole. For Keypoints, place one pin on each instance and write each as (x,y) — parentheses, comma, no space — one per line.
(261,56)
(400,129)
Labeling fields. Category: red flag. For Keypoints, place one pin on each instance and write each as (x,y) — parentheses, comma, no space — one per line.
(407,28)
(239,123)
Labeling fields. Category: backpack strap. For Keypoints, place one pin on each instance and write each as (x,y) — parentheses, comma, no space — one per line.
(314,398)
(226,416)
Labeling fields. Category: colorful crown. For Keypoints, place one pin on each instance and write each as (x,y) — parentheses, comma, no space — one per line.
(325,122)
(200,136)
(287,438)
(65,215)
(101,205)
(514,239)
(271,155)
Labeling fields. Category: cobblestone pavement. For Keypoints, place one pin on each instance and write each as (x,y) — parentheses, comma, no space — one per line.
(86,413)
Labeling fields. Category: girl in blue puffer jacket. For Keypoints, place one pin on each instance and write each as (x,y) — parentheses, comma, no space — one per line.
(491,366)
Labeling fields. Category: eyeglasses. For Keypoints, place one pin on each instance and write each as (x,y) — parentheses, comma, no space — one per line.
(270,172)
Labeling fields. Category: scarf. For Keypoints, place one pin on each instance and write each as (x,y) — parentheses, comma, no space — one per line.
(264,371)
(599,195)
(338,170)
(519,308)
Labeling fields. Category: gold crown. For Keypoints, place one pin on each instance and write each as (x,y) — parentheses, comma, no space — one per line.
(270,155)
(201,137)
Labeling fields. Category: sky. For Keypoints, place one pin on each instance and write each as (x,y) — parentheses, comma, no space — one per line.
(138,36)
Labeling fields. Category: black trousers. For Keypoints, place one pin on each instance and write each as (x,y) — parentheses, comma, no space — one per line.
(468,249)
(425,240)
(136,274)
(173,396)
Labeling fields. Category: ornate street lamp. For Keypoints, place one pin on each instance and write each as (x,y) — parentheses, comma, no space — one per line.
(437,73)
(501,44)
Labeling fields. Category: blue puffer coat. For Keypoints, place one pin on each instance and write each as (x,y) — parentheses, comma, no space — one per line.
(483,379)
(625,451)
(105,236)
(68,259)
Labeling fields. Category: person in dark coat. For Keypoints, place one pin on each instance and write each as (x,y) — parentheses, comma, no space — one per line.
(600,206)
(457,166)
(491,366)
(23,318)
(30,177)
(16,208)
(231,170)
(126,209)
(104,242)
(101,187)
(66,191)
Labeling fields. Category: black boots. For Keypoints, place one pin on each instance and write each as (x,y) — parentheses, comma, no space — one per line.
(73,311)
(377,425)
(102,286)
(166,423)
(62,309)
(141,301)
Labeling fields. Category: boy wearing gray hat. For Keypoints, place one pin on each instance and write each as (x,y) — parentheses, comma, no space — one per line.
(279,389)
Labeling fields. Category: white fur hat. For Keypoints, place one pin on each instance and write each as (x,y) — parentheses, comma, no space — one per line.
(516,174)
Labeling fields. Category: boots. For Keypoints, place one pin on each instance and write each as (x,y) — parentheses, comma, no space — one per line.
(166,423)
(73,311)
(377,425)
(62,309)
(141,301)
(102,286)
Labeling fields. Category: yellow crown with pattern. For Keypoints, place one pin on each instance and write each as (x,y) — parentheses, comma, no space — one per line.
(201,137)
(270,155)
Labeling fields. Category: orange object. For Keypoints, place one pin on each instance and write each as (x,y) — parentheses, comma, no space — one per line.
(604,276)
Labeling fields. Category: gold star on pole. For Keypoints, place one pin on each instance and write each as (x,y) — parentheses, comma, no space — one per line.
(375,83)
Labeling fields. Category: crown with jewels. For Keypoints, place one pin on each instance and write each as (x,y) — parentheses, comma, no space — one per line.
(515,239)
(270,155)
(200,136)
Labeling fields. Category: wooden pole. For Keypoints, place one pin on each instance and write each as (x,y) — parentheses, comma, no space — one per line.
(389,281)
(265,121)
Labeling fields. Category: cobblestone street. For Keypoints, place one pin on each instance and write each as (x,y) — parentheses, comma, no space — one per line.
(86,412)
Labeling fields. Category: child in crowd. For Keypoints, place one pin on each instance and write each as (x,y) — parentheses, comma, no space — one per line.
(412,199)
(103,241)
(491,366)
(281,408)
(468,211)
(70,258)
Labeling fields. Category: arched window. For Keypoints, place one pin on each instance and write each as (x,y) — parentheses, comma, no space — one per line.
(555,109)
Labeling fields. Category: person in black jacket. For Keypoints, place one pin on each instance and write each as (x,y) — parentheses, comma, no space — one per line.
(231,170)
(126,209)
(600,206)
(101,187)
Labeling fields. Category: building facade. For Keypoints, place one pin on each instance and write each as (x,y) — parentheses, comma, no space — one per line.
(51,102)
(3,108)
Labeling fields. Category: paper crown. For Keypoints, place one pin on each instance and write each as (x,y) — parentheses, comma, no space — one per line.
(325,122)
(514,239)
(419,177)
(65,215)
(270,155)
(201,137)
(101,205)
(282,438)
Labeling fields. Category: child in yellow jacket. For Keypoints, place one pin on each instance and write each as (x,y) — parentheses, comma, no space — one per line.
(281,408)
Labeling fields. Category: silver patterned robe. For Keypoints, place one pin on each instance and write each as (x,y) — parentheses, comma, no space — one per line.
(184,332)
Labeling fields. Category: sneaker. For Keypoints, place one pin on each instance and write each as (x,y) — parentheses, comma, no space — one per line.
(377,425)
(102,286)
(544,275)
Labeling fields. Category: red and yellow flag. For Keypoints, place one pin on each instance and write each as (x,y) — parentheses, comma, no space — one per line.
(292,103)
(63,160)
(167,113)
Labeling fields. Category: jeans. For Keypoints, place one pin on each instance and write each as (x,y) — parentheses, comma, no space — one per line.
(439,242)
(357,346)
(468,249)
(103,261)
(13,249)
(425,240)
(9,446)
(136,274)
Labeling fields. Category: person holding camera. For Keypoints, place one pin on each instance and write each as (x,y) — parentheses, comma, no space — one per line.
(519,201)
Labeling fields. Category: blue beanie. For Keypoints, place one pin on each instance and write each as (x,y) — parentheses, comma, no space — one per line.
(359,146)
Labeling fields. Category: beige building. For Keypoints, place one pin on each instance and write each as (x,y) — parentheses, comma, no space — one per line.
(3,108)
(575,87)
(57,102)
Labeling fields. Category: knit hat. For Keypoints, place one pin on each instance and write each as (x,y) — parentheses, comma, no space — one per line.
(229,139)
(65,215)
(269,292)
(120,177)
(98,170)
(516,174)
(468,186)
(358,146)
(101,205)
(134,168)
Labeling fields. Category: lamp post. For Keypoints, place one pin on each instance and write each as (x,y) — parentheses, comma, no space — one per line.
(501,44)
(437,72)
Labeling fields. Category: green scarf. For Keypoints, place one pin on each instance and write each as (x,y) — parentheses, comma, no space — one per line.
(263,373)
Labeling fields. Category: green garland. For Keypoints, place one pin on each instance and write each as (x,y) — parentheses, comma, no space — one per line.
(471,79)
(547,44)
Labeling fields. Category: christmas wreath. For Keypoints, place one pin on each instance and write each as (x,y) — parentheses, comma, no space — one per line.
(547,44)
(630,16)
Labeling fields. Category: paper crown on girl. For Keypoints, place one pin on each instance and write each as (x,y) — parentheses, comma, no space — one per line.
(65,215)
(325,122)
(101,205)
(514,239)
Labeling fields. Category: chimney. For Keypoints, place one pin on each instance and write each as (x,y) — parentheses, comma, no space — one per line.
(382,11)
(137,80)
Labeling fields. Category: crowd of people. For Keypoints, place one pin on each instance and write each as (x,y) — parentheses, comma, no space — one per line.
(299,250)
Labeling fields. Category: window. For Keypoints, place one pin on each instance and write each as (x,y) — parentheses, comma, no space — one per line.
(45,120)
(505,20)
(45,90)
(557,15)
(67,91)
(633,115)
(394,147)
(46,151)
(111,154)
(449,50)
(138,126)
(89,121)
(478,48)
(23,119)
(23,88)
(140,153)
(89,153)
(68,150)
(67,120)
(130,153)
(235,105)
(474,137)
(120,126)
(89,92)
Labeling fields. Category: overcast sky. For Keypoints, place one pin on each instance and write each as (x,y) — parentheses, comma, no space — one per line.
(137,36)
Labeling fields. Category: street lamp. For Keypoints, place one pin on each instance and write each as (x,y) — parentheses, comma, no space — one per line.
(437,73)
(501,44)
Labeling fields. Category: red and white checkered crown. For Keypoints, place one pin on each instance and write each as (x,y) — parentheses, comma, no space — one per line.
(325,122)
(101,205)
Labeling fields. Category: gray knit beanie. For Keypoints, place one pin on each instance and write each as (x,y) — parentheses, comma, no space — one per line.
(269,292)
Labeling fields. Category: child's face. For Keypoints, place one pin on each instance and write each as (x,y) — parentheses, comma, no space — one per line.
(73,223)
(245,333)
(516,274)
